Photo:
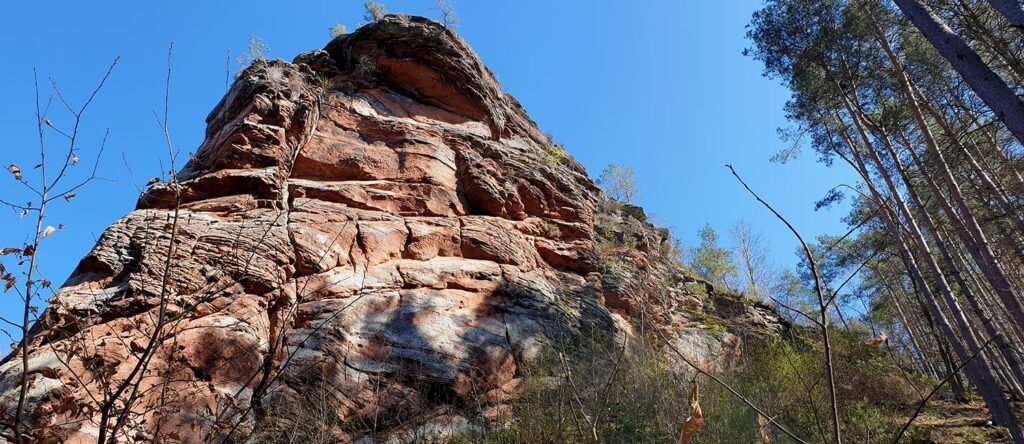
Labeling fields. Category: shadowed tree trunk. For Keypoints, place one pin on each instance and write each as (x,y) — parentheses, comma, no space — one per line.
(1011,9)
(985,82)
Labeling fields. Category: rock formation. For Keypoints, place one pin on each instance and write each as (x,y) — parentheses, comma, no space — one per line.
(377,221)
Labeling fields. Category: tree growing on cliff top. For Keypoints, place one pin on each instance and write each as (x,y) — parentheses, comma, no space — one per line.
(338,29)
(258,50)
(711,260)
(374,11)
(448,15)
(751,249)
(618,183)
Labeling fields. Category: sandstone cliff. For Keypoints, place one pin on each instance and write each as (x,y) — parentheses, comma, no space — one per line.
(377,221)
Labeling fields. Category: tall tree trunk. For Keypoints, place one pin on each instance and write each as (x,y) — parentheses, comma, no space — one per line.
(1011,9)
(990,181)
(987,41)
(911,333)
(979,371)
(994,146)
(981,251)
(1013,370)
(986,83)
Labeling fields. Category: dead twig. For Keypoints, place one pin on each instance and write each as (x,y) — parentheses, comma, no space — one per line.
(823,306)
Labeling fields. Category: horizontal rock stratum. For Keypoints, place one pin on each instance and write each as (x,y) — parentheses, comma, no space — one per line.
(376,221)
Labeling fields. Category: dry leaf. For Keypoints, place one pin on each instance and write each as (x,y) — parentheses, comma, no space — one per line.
(153,181)
(881,339)
(696,419)
(48,231)
(23,213)
(9,250)
(15,170)
(137,346)
(10,283)
(74,159)
(766,428)
(69,196)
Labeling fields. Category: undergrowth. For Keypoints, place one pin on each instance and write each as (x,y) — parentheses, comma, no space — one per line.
(640,396)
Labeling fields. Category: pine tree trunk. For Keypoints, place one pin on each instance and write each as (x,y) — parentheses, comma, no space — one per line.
(1011,9)
(986,83)
(978,243)
(979,371)
(1013,370)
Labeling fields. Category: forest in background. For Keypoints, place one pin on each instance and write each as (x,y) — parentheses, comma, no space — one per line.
(922,100)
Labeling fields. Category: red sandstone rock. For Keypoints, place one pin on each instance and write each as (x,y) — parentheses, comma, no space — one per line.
(397,239)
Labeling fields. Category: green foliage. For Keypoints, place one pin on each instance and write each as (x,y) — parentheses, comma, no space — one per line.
(648,401)
(782,380)
(790,290)
(374,11)
(634,396)
(712,261)
(555,154)
(338,30)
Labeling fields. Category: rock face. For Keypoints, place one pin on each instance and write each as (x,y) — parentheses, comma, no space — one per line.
(643,278)
(376,221)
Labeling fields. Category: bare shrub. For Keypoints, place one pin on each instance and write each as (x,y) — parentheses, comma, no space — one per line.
(374,11)
(258,50)
(338,30)
(618,183)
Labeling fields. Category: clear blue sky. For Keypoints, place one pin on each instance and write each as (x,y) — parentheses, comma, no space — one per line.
(660,86)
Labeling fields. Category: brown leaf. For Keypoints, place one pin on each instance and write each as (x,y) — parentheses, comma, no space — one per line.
(23,213)
(136,346)
(69,196)
(9,250)
(766,428)
(74,159)
(49,230)
(875,342)
(15,170)
(153,181)
(696,419)
(10,283)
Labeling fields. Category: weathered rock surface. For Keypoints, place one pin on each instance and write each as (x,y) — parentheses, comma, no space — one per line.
(642,278)
(377,221)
